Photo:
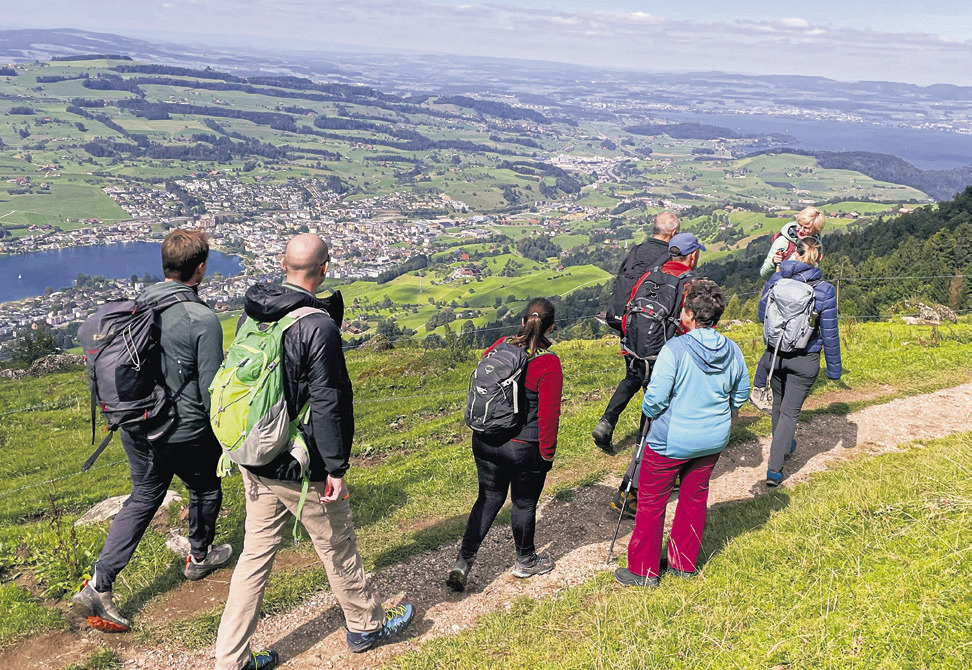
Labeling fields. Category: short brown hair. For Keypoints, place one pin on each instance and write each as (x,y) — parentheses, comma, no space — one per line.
(705,300)
(182,252)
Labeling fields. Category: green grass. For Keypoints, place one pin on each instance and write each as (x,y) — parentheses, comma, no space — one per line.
(104,659)
(21,615)
(412,478)
(862,567)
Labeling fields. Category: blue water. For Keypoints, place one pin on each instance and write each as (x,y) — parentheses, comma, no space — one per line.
(58,269)
(925,149)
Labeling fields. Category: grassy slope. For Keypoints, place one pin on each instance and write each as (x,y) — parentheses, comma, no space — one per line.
(412,477)
(862,567)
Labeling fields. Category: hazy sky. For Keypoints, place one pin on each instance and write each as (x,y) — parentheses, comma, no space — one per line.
(922,42)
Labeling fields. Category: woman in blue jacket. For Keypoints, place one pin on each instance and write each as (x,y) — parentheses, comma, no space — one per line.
(795,372)
(699,378)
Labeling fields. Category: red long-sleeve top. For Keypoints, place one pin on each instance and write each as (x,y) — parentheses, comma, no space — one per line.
(545,377)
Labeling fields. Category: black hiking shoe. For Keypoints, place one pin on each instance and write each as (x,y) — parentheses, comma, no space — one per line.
(457,576)
(262,660)
(664,569)
(535,565)
(217,557)
(602,434)
(397,619)
(102,613)
(630,506)
(626,578)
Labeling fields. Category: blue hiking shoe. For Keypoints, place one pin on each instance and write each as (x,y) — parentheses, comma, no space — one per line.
(792,449)
(774,478)
(262,660)
(397,619)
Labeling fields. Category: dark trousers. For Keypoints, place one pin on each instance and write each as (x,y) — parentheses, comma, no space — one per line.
(637,373)
(793,375)
(657,479)
(518,468)
(152,469)
(762,370)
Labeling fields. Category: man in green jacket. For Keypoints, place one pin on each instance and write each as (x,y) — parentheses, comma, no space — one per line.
(191,340)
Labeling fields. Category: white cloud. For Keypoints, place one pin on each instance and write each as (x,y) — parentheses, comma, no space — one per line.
(794,23)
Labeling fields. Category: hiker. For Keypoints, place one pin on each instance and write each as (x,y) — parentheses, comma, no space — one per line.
(794,372)
(700,378)
(683,249)
(809,222)
(191,343)
(517,460)
(642,258)
(808,250)
(314,375)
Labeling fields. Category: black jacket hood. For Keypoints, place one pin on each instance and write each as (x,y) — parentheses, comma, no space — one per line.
(271,302)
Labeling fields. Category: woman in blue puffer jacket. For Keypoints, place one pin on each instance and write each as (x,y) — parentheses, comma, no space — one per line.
(795,372)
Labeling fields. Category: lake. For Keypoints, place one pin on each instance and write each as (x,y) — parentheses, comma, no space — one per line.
(26,275)
(925,149)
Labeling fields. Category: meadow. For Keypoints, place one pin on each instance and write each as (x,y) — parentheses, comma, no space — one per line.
(411,477)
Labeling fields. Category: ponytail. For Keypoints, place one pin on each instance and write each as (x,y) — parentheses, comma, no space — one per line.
(537,319)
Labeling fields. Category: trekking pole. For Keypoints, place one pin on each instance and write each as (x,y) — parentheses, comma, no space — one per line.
(627,491)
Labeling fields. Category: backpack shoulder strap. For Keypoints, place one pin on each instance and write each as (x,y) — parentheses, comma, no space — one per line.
(296,315)
(641,280)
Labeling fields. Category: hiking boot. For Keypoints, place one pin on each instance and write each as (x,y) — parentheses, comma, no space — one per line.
(397,619)
(457,576)
(102,615)
(535,565)
(774,478)
(262,660)
(626,578)
(664,569)
(217,557)
(602,434)
(762,399)
(630,508)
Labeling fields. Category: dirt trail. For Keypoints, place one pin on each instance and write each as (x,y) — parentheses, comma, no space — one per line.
(575,533)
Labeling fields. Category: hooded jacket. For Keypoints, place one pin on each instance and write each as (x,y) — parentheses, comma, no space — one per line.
(314,372)
(191,338)
(788,235)
(826,335)
(698,379)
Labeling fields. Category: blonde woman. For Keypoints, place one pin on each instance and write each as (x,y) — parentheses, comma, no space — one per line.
(809,222)
(808,251)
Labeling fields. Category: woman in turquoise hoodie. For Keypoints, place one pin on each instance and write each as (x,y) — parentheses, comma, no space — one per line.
(698,380)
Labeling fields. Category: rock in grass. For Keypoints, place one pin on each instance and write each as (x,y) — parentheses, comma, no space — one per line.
(107,509)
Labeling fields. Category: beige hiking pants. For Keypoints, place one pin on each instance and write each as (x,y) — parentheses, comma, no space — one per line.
(269,506)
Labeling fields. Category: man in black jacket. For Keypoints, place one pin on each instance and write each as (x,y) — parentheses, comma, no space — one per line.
(314,374)
(651,253)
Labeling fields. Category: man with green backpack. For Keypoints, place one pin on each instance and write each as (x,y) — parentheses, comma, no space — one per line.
(282,408)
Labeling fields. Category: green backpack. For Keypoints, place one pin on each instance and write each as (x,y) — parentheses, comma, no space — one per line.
(248,411)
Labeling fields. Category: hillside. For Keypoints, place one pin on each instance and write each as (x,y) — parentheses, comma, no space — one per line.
(411,473)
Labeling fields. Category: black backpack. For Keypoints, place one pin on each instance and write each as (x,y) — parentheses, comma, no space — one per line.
(634,267)
(124,363)
(496,400)
(652,313)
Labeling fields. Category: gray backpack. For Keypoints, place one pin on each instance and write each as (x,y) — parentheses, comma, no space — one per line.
(789,320)
(123,359)
(496,400)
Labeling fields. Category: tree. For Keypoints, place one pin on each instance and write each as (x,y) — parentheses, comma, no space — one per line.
(32,344)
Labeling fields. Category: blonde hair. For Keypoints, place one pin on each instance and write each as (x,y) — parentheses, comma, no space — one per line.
(811,216)
(809,251)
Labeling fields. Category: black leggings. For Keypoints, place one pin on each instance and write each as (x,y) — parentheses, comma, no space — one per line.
(793,375)
(516,467)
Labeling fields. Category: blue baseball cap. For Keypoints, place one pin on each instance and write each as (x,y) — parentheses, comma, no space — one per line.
(684,244)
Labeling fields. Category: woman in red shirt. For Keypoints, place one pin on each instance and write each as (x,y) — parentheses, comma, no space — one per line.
(518,463)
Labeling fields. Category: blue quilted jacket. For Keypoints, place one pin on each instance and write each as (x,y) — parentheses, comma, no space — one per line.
(826,336)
